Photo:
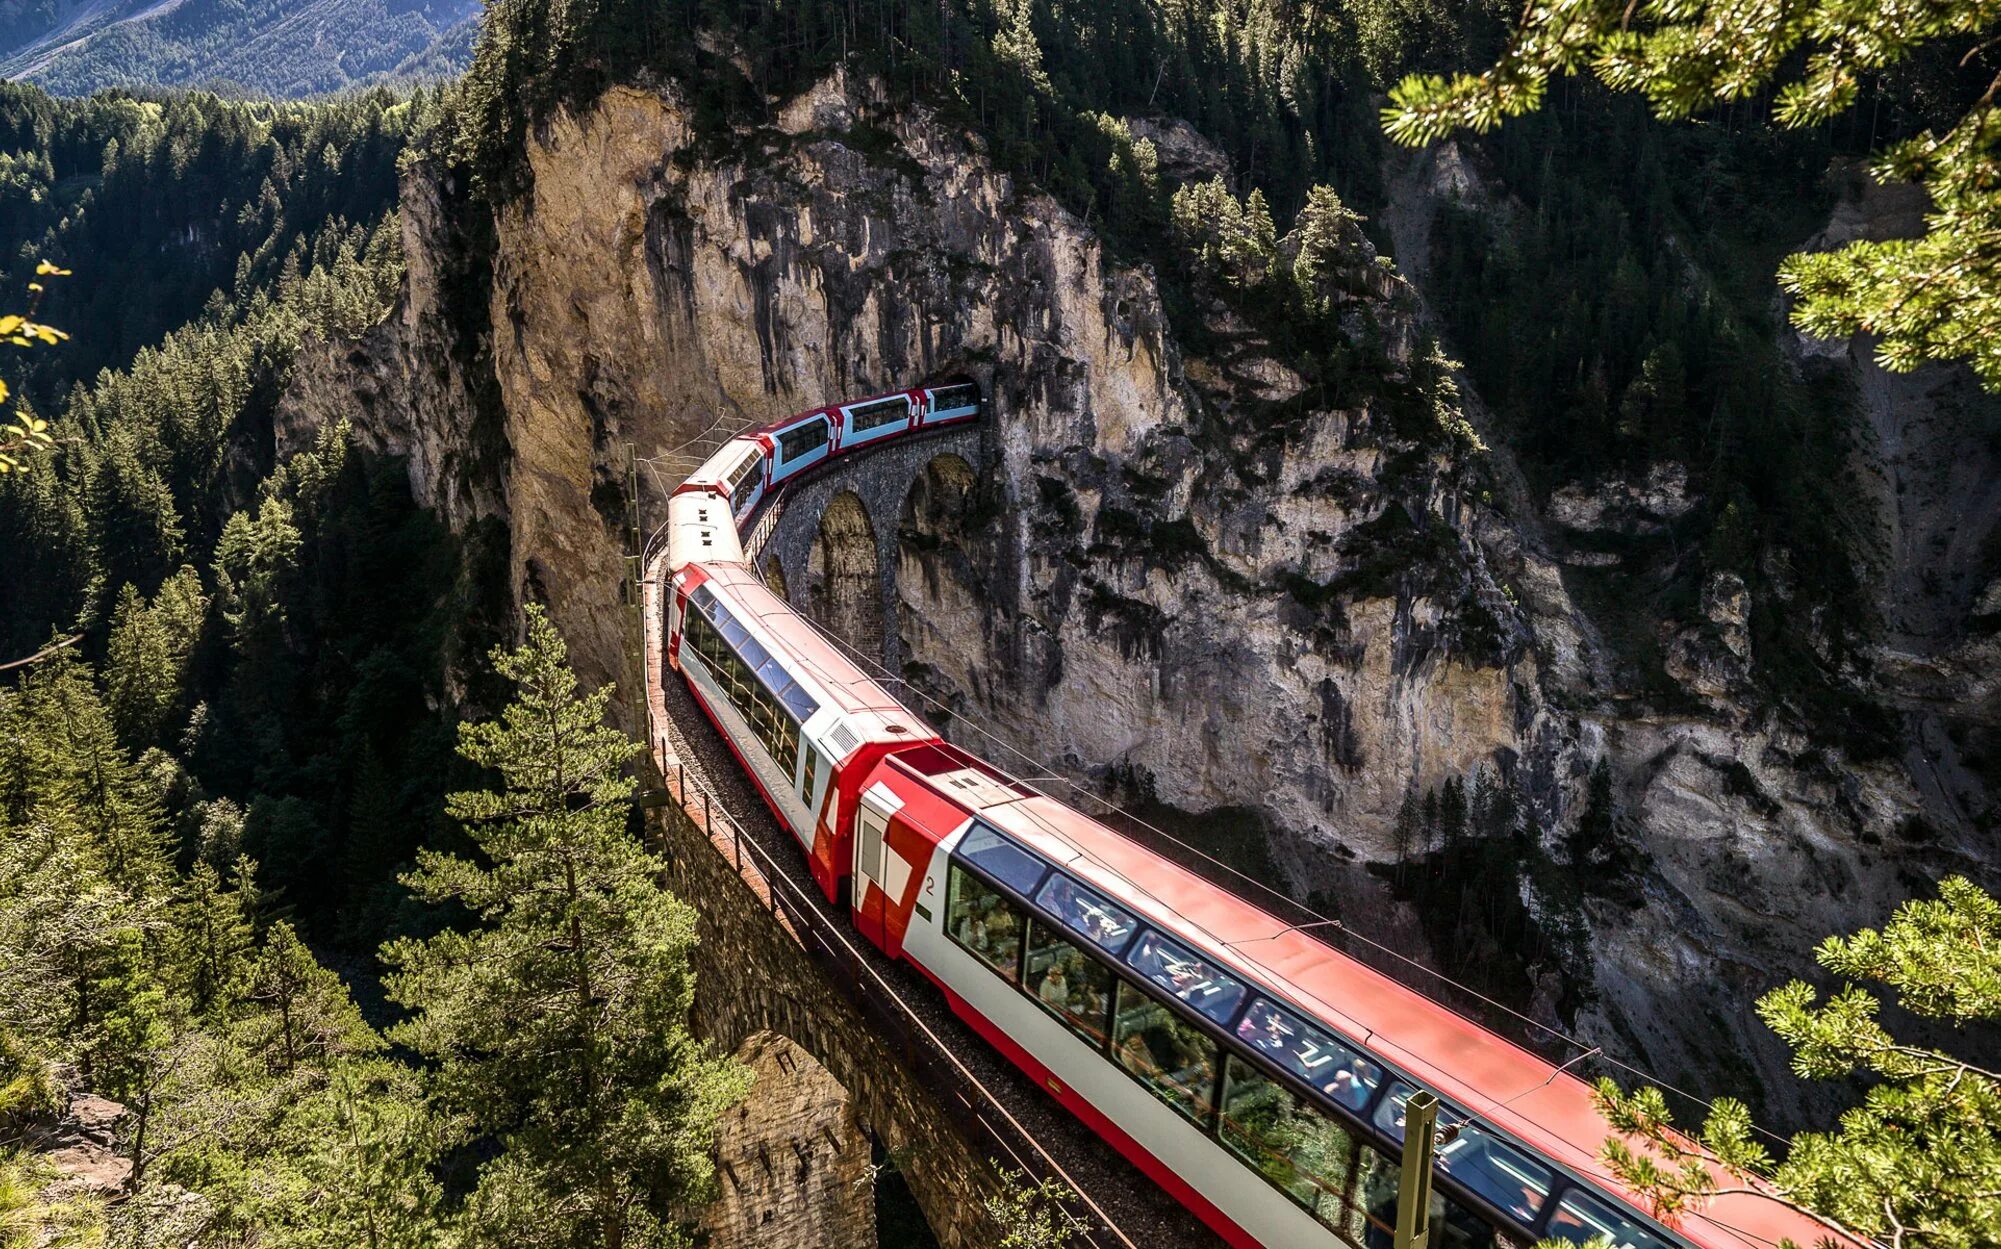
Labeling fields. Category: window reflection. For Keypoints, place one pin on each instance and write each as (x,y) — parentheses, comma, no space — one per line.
(1580,1220)
(1002,859)
(1453,1226)
(1085,912)
(1310,1053)
(1499,1173)
(1187,977)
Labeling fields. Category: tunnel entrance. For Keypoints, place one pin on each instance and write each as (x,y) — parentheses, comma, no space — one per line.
(844,576)
(793,1164)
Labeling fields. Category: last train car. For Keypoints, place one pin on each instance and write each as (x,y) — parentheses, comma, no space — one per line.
(1256,1074)
(950,403)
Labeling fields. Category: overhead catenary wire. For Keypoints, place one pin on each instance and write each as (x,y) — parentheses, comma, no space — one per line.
(1586,1052)
(1586,1049)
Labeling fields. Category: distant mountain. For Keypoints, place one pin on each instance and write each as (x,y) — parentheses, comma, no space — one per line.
(267,47)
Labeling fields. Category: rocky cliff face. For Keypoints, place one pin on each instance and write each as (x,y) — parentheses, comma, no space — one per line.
(1191,572)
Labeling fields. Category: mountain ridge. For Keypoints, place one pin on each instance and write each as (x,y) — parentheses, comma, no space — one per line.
(281,48)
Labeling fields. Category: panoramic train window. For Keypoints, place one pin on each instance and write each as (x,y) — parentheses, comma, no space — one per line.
(1069,983)
(982,919)
(1087,914)
(804,440)
(1503,1175)
(1309,1052)
(1002,859)
(1303,1152)
(1169,1055)
(869,416)
(1187,977)
(1581,1219)
(769,717)
(1453,1226)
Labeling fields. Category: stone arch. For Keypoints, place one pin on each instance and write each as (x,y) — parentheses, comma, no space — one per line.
(844,575)
(774,577)
(944,615)
(938,504)
(793,1163)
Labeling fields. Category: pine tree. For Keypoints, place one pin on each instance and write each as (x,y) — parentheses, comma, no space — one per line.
(214,933)
(1935,297)
(1595,839)
(1452,813)
(558,1025)
(353,1164)
(147,655)
(1409,830)
(307,1014)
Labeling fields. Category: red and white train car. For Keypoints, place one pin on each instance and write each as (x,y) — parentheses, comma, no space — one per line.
(1256,1074)
(759,460)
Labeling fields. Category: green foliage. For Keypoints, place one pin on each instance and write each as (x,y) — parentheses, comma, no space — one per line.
(1933,298)
(1236,241)
(166,200)
(24,432)
(558,1024)
(249,1077)
(27,1088)
(1614,317)
(1918,1161)
(1033,1216)
(147,655)
(1276,83)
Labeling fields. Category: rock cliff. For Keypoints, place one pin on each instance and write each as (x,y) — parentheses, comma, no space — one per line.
(1190,573)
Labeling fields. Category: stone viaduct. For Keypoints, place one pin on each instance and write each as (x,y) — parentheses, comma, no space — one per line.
(834,551)
(782,981)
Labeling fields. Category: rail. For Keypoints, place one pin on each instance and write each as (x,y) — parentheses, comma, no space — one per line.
(922,1051)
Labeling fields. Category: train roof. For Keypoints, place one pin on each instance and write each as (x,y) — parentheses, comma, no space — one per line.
(834,679)
(1500,1082)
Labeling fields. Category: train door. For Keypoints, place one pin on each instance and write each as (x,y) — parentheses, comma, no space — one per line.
(871,859)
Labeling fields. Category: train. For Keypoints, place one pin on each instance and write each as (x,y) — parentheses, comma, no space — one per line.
(1257,1074)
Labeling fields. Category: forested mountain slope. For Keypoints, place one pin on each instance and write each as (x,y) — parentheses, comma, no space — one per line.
(281,48)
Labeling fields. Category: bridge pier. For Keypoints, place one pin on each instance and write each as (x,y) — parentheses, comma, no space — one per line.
(882,482)
(760,993)
(792,1160)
